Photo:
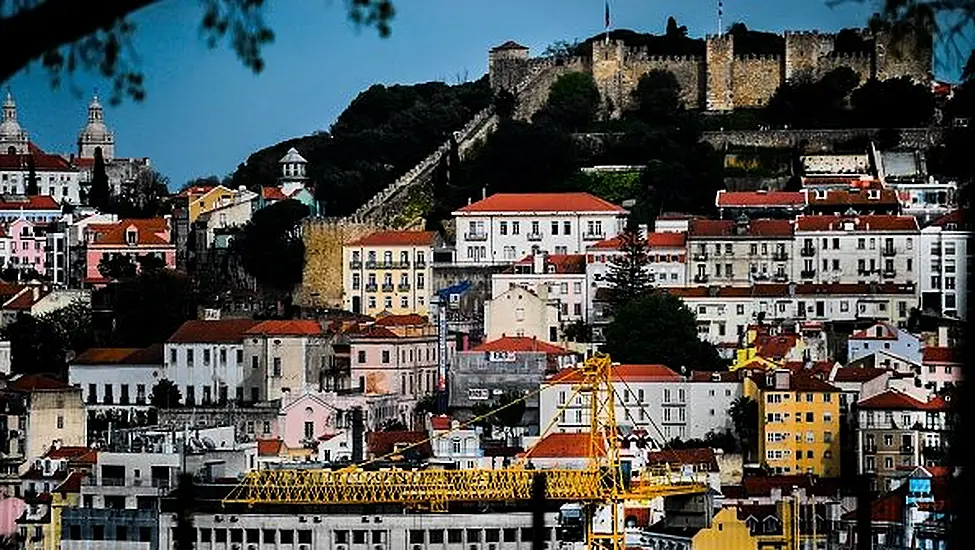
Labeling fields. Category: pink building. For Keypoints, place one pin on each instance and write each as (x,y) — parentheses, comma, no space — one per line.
(941,367)
(317,420)
(134,238)
(27,242)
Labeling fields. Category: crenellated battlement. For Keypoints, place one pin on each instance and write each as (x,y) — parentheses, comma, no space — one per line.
(758,57)
(853,56)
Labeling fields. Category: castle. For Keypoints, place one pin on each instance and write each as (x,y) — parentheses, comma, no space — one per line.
(718,80)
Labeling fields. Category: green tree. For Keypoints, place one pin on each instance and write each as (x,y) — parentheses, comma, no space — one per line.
(100,39)
(744,417)
(165,394)
(675,31)
(808,103)
(73,325)
(573,102)
(31,187)
(270,245)
(657,98)
(505,104)
(629,271)
(150,307)
(150,262)
(143,197)
(893,103)
(99,192)
(117,266)
(35,346)
(657,328)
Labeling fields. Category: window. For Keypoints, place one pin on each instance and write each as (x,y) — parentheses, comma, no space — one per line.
(503,228)
(515,228)
(277,367)
(555,228)
(240,356)
(189,357)
(356,281)
(567,228)
(385,356)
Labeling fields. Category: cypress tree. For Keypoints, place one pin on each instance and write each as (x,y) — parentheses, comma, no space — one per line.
(99,193)
(31,177)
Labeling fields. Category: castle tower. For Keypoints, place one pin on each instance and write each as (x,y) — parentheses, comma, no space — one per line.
(607,71)
(719,57)
(13,138)
(507,65)
(292,175)
(803,50)
(96,134)
(910,55)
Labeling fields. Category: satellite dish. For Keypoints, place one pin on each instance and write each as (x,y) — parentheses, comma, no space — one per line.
(209,444)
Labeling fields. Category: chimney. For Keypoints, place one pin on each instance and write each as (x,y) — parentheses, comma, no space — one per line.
(538,263)
(36,292)
(483,193)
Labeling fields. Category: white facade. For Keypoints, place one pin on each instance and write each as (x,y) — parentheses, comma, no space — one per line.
(206,361)
(520,312)
(113,385)
(859,249)
(61,183)
(505,228)
(667,257)
(128,478)
(232,214)
(568,288)
(944,266)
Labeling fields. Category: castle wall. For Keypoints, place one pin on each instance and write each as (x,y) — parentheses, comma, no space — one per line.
(813,140)
(862,64)
(803,51)
(719,58)
(617,69)
(908,57)
(533,97)
(754,79)
(322,279)
(506,68)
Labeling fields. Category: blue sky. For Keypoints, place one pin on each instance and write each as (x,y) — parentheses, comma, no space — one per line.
(205,112)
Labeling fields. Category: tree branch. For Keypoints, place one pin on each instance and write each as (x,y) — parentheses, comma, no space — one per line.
(23,29)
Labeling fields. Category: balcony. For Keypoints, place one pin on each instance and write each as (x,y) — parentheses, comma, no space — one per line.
(371,265)
(387,287)
(475,236)
(935,250)
(371,287)
(807,251)
(888,251)
(700,256)
(780,256)
(889,273)
(401,265)
(403,287)
(780,278)
(534,236)
(355,264)
(700,278)
(807,273)
(593,236)
(420,264)
(113,482)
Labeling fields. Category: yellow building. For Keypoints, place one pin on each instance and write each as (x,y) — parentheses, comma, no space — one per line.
(799,422)
(726,532)
(55,414)
(204,199)
(389,271)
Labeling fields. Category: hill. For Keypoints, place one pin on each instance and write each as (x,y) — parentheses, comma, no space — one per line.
(383,133)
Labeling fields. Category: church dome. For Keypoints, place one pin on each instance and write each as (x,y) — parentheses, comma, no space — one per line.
(10,130)
(95,131)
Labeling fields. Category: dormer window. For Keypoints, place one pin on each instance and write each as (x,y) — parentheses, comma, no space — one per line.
(873,194)
(131,236)
(821,194)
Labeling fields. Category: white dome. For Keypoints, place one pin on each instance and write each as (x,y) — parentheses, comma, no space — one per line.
(10,130)
(293,156)
(95,131)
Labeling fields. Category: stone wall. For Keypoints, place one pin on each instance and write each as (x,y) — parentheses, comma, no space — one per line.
(803,50)
(813,140)
(860,63)
(322,279)
(754,79)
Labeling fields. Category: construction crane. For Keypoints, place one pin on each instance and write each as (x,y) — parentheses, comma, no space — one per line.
(599,489)
(444,299)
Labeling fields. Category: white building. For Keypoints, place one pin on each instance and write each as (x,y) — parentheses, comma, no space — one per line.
(505,227)
(561,278)
(944,266)
(284,357)
(520,312)
(205,359)
(455,446)
(666,252)
(226,215)
(856,249)
(292,175)
(919,194)
(740,252)
(117,377)
(653,398)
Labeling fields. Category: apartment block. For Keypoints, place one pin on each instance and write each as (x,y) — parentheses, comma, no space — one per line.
(740,252)
(389,271)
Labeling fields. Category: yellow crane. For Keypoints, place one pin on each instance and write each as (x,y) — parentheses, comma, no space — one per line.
(600,484)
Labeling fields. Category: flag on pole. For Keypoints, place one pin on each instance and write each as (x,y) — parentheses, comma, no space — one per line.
(607,14)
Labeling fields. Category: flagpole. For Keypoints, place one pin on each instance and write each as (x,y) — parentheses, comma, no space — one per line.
(607,22)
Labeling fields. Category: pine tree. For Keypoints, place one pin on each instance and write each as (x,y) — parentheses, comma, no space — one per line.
(99,194)
(629,275)
(31,177)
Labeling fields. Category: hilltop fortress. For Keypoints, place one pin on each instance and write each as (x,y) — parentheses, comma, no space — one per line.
(718,80)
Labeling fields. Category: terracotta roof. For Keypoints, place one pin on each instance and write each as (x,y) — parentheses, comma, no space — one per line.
(680,457)
(774,346)
(196,190)
(762,485)
(887,332)
(25,300)
(149,232)
(269,447)
(728,228)
(541,202)
(509,45)
(854,197)
(293,327)
(861,223)
(939,355)
(72,484)
(272,194)
(709,376)
(397,238)
(222,331)
(800,381)
(408,320)
(756,199)
(773,290)
(662,239)
(563,445)
(852,374)
(563,263)
(893,399)
(383,443)
(520,344)
(103,356)
(441,422)
(72,454)
(628,373)
(817,368)
(956,217)
(37,382)
(36,202)
(43,162)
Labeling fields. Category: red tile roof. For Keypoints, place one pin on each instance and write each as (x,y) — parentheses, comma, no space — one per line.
(893,399)
(628,373)
(758,199)
(563,445)
(774,346)
(853,374)
(408,320)
(563,263)
(269,447)
(782,290)
(728,229)
(956,217)
(662,239)
(43,162)
(820,369)
(37,382)
(25,300)
(103,356)
(887,332)
(222,331)
(854,197)
(293,327)
(941,356)
(541,202)
(762,486)
(72,454)
(860,223)
(520,344)
(397,238)
(272,194)
(709,376)
(383,443)
(680,457)
(149,232)
(36,202)
(441,422)
(72,484)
